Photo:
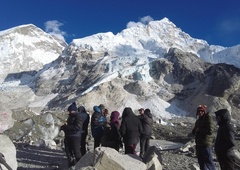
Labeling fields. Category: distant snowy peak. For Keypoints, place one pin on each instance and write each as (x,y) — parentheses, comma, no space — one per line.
(157,38)
(26,48)
(229,55)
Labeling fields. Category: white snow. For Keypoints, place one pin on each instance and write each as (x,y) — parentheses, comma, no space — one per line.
(130,51)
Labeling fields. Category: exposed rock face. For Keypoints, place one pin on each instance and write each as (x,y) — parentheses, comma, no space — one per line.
(191,81)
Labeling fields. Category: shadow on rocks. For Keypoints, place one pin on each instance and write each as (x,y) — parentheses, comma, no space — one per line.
(34,158)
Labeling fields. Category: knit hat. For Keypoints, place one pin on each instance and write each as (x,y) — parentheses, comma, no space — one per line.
(101,107)
(141,109)
(202,107)
(72,107)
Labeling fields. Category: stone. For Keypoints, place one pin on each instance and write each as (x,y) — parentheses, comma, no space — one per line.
(9,152)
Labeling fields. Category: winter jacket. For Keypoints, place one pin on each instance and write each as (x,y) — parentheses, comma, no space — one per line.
(74,125)
(115,125)
(98,122)
(85,116)
(225,135)
(130,128)
(147,123)
(203,130)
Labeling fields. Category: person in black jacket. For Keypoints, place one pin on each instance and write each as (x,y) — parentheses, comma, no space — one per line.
(147,122)
(224,144)
(85,117)
(130,130)
(73,131)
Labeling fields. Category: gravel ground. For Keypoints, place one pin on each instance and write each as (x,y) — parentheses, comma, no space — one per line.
(36,158)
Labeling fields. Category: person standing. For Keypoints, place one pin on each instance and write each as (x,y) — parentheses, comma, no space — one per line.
(203,131)
(224,144)
(130,130)
(98,124)
(73,131)
(147,122)
(115,133)
(85,116)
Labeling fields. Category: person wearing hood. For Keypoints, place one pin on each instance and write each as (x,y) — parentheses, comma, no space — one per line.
(98,124)
(203,131)
(73,132)
(224,143)
(147,122)
(85,116)
(130,130)
(115,133)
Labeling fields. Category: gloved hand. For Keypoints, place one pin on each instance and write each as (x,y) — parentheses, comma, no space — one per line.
(63,127)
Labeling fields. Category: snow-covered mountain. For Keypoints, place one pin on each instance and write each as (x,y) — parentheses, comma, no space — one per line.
(156,66)
(26,48)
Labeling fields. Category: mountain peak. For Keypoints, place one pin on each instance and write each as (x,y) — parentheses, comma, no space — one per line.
(26,48)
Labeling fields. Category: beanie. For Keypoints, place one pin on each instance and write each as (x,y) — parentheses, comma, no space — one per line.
(101,107)
(72,107)
(202,107)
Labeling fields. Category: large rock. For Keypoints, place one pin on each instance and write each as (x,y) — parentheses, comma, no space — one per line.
(9,151)
(152,158)
(6,120)
(105,158)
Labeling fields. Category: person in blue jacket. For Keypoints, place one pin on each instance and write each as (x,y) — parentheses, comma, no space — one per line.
(98,124)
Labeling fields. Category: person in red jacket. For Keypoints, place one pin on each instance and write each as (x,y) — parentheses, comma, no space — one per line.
(203,131)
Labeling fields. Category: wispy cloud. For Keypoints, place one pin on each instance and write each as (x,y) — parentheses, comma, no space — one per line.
(230,26)
(53,28)
(143,21)
(228,30)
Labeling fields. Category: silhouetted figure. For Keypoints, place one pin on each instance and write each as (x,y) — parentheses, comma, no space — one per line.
(224,144)
(147,122)
(130,130)
(85,116)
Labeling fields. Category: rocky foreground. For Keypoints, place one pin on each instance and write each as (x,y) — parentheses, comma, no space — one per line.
(173,143)
(32,157)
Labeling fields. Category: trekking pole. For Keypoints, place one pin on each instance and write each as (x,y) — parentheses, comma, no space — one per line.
(3,161)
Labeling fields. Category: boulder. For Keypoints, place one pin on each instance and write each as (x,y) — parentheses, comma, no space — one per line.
(6,120)
(105,158)
(9,152)
(152,158)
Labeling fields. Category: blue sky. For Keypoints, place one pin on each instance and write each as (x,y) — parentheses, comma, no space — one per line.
(217,22)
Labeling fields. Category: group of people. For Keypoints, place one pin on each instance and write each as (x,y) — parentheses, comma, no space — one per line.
(115,133)
(204,139)
(134,128)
